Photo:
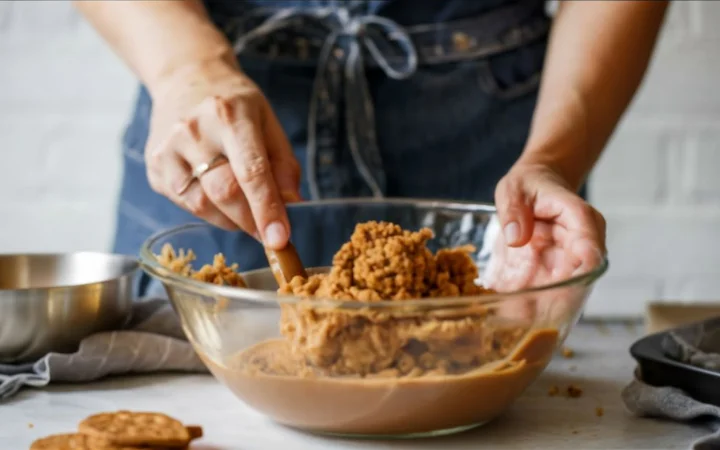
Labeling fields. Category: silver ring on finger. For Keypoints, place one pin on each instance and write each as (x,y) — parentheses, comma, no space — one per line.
(200,170)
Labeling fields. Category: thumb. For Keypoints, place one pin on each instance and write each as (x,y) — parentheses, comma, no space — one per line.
(514,211)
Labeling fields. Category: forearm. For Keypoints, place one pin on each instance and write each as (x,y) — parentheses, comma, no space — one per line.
(159,39)
(597,56)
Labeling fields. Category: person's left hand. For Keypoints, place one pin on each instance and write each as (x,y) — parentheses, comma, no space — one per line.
(548,232)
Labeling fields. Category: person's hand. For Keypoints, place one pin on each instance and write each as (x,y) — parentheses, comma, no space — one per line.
(208,113)
(547,232)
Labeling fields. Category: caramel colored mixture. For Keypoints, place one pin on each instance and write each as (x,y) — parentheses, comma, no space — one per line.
(382,405)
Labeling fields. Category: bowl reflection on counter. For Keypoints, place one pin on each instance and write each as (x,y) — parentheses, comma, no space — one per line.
(236,330)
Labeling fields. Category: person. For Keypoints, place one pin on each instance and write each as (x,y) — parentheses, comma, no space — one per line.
(246,105)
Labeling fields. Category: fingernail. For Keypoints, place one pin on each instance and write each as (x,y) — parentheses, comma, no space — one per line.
(512,232)
(275,235)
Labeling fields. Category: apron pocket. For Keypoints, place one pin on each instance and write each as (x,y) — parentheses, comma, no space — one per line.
(513,74)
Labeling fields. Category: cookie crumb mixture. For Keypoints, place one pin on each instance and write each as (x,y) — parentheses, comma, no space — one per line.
(381,263)
(218,272)
(384,262)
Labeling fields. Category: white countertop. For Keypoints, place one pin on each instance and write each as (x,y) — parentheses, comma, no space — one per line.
(601,367)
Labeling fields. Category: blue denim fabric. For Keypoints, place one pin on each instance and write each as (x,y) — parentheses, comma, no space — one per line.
(450,128)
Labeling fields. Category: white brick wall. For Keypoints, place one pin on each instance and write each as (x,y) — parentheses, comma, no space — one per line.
(657,182)
(64,98)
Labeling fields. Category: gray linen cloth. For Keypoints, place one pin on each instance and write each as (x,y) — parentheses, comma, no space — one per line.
(153,341)
(697,345)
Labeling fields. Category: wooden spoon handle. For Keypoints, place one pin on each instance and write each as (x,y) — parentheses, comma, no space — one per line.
(285,264)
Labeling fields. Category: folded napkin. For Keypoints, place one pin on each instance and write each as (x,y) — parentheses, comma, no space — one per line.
(697,345)
(153,341)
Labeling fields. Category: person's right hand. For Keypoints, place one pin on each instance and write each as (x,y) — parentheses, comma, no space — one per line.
(213,111)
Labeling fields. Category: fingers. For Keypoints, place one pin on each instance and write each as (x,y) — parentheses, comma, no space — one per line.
(583,221)
(197,202)
(514,211)
(245,148)
(584,229)
(251,189)
(223,189)
(169,172)
(217,184)
(567,231)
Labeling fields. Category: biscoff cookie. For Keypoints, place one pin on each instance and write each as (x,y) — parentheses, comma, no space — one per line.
(74,441)
(195,431)
(126,428)
(77,441)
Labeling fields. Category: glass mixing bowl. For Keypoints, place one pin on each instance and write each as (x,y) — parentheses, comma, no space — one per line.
(388,368)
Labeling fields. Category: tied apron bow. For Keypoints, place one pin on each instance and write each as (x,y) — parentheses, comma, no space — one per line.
(341,70)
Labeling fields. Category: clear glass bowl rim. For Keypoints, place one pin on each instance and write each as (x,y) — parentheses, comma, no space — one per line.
(152,266)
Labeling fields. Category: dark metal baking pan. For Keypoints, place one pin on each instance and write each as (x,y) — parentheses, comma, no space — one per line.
(656,369)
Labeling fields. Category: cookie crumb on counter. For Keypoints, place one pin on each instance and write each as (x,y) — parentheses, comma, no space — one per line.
(31,425)
(599,411)
(571,391)
(567,352)
(574,391)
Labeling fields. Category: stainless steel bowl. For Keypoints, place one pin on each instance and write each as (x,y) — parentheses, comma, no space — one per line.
(50,302)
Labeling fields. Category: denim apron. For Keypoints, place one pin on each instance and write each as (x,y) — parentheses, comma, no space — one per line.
(395,98)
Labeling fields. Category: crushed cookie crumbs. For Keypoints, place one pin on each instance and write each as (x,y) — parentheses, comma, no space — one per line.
(574,391)
(218,272)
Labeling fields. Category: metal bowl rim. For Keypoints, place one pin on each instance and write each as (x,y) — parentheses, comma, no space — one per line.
(150,264)
(135,265)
